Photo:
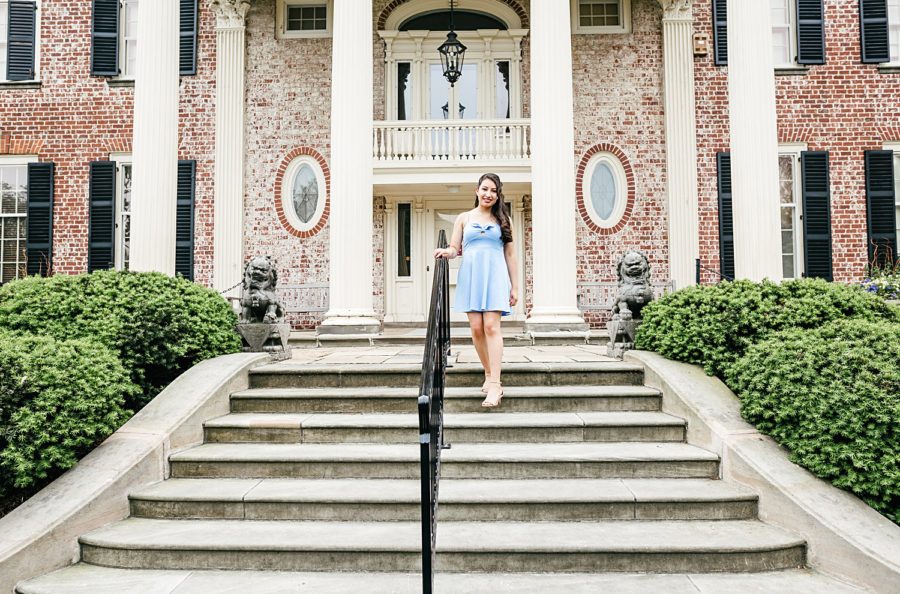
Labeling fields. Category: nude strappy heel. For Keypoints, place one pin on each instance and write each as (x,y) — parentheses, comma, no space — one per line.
(488,403)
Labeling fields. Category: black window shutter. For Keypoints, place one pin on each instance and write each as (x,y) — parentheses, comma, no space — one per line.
(102,226)
(880,207)
(873,17)
(720,31)
(726,216)
(20,43)
(105,38)
(811,31)
(39,241)
(187,57)
(816,214)
(184,220)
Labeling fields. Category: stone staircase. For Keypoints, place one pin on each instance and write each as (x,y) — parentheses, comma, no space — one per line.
(315,472)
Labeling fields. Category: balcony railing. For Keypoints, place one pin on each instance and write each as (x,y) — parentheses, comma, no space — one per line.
(460,141)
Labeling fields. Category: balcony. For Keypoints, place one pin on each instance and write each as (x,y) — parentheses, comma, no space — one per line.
(453,143)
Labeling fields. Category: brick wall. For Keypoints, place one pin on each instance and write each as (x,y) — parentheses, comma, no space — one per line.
(844,107)
(75,118)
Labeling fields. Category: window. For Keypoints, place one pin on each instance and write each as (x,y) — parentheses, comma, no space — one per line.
(783,50)
(404,239)
(404,91)
(791,213)
(123,210)
(19,40)
(601,16)
(303,18)
(13,218)
(303,193)
(605,190)
(501,102)
(128,37)
(897,194)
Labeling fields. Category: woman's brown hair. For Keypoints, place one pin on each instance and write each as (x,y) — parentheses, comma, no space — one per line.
(498,210)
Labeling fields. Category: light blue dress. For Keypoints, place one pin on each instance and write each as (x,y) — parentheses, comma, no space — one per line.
(482,283)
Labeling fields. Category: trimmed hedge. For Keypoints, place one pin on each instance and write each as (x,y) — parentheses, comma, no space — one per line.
(832,397)
(159,325)
(713,326)
(58,400)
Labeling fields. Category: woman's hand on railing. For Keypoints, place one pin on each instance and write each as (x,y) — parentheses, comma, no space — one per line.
(448,253)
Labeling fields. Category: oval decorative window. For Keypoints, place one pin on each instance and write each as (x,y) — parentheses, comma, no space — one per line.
(303,193)
(604,191)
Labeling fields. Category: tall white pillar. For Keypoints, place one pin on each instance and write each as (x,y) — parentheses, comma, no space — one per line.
(754,142)
(155,146)
(555,305)
(350,222)
(228,208)
(681,140)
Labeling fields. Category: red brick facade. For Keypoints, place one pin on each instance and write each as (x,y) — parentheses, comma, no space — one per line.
(73,118)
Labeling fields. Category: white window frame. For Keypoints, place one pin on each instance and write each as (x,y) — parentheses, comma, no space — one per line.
(793,151)
(18,161)
(624,26)
(894,32)
(621,180)
(120,159)
(895,147)
(124,73)
(4,7)
(792,37)
(287,193)
(281,31)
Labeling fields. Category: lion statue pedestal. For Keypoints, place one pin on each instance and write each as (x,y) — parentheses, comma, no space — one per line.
(635,291)
(261,320)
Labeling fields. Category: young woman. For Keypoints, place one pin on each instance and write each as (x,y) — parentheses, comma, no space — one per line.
(487,283)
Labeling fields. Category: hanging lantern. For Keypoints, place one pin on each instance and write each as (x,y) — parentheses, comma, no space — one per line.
(452,54)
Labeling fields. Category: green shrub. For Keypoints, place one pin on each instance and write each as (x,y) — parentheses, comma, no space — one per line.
(713,326)
(159,326)
(58,399)
(832,397)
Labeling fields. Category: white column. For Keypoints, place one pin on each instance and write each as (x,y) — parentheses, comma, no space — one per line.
(754,142)
(228,208)
(350,222)
(155,145)
(553,171)
(681,141)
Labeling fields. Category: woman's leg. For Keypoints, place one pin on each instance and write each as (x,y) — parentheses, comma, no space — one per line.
(476,323)
(494,339)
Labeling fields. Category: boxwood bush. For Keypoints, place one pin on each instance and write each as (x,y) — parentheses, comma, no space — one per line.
(832,397)
(713,326)
(58,399)
(159,325)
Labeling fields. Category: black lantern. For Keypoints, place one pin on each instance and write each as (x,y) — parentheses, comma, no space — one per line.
(452,53)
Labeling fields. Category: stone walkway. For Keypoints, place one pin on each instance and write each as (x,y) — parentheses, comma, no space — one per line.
(459,354)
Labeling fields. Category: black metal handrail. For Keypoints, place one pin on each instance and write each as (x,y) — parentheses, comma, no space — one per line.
(431,409)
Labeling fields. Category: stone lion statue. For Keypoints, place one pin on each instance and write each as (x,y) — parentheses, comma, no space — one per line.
(635,290)
(259,304)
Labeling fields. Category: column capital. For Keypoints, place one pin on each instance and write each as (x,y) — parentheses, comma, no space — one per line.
(677,9)
(230,14)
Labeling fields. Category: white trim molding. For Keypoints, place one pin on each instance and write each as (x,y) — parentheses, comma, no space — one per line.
(496,9)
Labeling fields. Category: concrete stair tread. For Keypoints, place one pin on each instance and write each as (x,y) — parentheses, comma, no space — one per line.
(462,452)
(649,536)
(557,491)
(451,420)
(412,392)
(92,579)
(290,367)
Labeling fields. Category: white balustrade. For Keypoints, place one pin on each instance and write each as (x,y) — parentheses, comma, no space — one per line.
(461,140)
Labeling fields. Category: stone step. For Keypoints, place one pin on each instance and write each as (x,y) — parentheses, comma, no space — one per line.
(93,579)
(648,546)
(360,375)
(461,428)
(488,460)
(544,399)
(460,499)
